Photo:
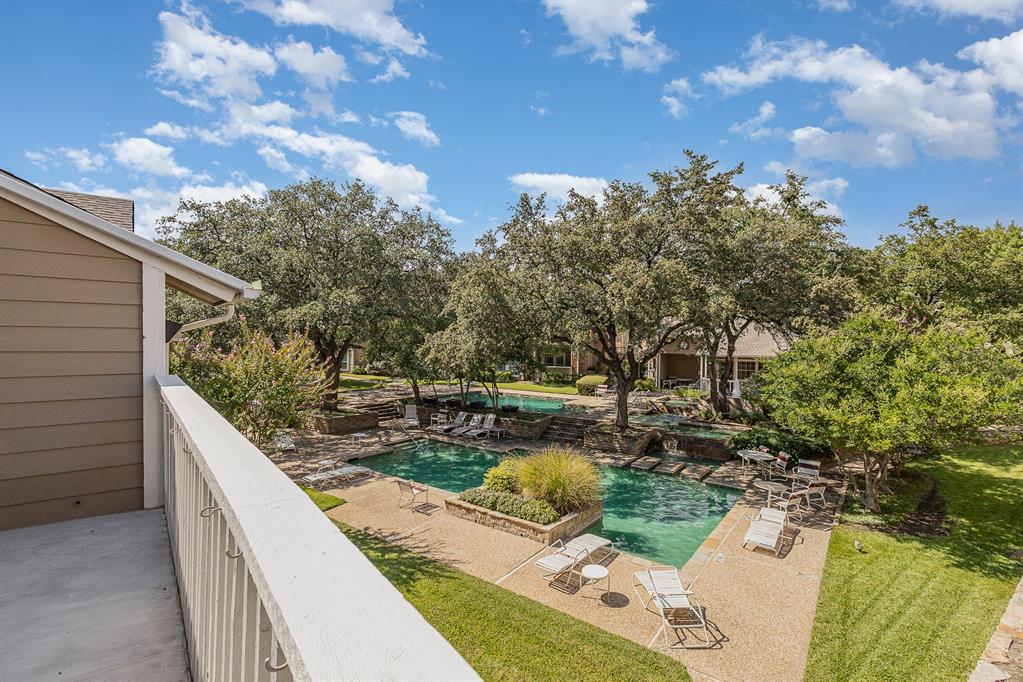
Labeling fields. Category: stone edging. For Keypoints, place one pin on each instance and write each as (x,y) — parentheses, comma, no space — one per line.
(1009,630)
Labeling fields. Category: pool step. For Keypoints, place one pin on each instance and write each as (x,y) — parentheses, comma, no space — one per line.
(570,430)
(646,463)
(669,467)
(697,472)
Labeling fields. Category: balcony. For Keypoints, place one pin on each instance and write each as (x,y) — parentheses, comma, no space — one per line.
(238,577)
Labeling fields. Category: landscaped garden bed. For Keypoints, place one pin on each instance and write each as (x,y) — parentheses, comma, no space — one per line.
(546,496)
(339,421)
(563,528)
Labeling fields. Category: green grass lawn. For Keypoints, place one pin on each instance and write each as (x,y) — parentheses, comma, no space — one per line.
(355,382)
(505,636)
(911,608)
(562,389)
(322,500)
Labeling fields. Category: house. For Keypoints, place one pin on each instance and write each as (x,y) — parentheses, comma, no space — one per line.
(684,362)
(142,536)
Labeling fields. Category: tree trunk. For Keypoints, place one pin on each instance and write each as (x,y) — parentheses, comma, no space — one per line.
(872,470)
(333,382)
(415,388)
(715,384)
(497,402)
(623,385)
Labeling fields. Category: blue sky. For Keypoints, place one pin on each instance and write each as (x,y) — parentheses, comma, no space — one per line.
(458,106)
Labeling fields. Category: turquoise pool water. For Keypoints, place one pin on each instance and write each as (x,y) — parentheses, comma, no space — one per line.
(526,403)
(442,465)
(661,518)
(678,424)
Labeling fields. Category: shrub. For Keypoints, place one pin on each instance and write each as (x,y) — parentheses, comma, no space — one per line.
(587,385)
(504,377)
(560,476)
(562,378)
(536,511)
(258,386)
(775,440)
(360,370)
(687,392)
(504,478)
(644,385)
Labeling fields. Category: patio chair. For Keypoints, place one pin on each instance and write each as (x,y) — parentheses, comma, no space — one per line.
(328,470)
(812,491)
(409,491)
(482,431)
(603,391)
(791,503)
(563,558)
(778,466)
(662,587)
(808,469)
(411,416)
(474,423)
(444,428)
(766,534)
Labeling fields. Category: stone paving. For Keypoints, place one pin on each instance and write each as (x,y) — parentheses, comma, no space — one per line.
(1002,658)
(760,607)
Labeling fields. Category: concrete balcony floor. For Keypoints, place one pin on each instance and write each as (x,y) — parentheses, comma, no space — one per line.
(91,599)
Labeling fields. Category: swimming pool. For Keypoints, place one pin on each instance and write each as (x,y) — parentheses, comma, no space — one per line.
(679,424)
(450,466)
(526,403)
(662,518)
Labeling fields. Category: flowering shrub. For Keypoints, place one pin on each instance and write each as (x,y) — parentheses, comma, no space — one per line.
(257,385)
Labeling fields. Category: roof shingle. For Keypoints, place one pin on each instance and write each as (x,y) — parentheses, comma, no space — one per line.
(120,212)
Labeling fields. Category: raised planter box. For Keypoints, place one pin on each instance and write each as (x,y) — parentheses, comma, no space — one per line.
(341,423)
(564,528)
(633,442)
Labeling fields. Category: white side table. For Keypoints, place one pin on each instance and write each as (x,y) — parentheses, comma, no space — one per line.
(360,438)
(595,573)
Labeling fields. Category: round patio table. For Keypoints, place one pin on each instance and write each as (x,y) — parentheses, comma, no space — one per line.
(773,489)
(758,456)
(595,573)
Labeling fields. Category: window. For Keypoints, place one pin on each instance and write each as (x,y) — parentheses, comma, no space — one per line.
(344,361)
(555,359)
(746,369)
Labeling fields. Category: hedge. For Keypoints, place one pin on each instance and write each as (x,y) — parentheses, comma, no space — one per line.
(587,385)
(536,511)
(776,440)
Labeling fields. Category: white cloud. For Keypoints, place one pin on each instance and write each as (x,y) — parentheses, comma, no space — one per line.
(611,30)
(414,126)
(188,100)
(40,159)
(835,5)
(946,113)
(367,57)
(171,131)
(277,160)
(394,69)
(556,185)
(1006,11)
(371,21)
(348,116)
(818,190)
(828,187)
(675,94)
(142,154)
(775,167)
(84,160)
(860,149)
(321,68)
(539,110)
(197,57)
(753,128)
(1001,59)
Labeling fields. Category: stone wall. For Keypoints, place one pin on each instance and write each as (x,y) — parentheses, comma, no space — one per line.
(567,527)
(634,442)
(342,423)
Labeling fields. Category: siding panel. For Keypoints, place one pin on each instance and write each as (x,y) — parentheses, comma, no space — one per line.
(35,364)
(70,374)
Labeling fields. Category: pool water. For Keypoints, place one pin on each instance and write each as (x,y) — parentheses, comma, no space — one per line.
(677,424)
(658,517)
(441,465)
(662,518)
(526,403)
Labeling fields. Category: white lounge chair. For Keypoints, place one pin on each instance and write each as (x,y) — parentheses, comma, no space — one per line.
(329,470)
(482,431)
(766,529)
(411,416)
(662,587)
(409,491)
(444,428)
(566,557)
(474,423)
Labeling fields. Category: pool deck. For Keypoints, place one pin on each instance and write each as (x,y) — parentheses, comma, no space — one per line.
(760,607)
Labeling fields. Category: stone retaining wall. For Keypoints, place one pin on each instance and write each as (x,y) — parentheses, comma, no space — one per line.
(632,443)
(566,527)
(342,423)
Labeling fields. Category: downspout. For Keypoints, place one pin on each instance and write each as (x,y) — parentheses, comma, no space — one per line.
(209,321)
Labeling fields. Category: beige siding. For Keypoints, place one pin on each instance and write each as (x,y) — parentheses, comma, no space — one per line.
(70,374)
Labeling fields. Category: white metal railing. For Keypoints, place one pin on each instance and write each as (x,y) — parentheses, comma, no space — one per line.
(270,589)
